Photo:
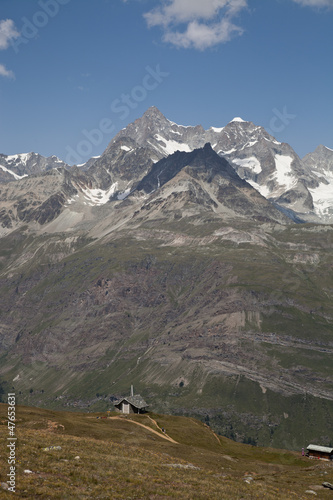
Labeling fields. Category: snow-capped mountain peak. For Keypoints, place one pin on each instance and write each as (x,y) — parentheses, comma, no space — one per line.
(19,158)
(15,167)
(238,119)
(272,168)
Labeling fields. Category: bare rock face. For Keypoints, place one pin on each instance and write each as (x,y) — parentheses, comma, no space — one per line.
(320,160)
(214,179)
(15,167)
(319,164)
(39,198)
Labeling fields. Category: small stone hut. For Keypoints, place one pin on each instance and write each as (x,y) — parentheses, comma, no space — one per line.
(131,404)
(323,452)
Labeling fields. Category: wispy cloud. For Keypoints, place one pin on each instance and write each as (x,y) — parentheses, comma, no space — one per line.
(8,32)
(6,72)
(197,24)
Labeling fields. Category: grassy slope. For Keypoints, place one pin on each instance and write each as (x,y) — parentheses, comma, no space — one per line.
(119,459)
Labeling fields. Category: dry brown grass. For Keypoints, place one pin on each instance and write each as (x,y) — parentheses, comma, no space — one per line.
(120,460)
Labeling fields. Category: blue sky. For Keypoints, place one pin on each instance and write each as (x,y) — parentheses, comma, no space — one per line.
(74,72)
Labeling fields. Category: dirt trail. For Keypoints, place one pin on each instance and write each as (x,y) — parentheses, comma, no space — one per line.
(163,435)
(215,435)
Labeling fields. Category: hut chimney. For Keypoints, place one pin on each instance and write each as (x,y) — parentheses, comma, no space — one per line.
(132,390)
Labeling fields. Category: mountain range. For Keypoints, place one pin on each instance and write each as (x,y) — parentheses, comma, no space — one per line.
(193,263)
(301,188)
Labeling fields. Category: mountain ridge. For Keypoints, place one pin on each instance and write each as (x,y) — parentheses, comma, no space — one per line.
(299,187)
(21,165)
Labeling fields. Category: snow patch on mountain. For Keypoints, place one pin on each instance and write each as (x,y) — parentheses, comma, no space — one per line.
(272,140)
(169,146)
(124,194)
(16,177)
(22,157)
(216,129)
(71,200)
(323,194)
(252,163)
(229,152)
(177,124)
(56,159)
(283,174)
(249,144)
(99,196)
(238,119)
(261,188)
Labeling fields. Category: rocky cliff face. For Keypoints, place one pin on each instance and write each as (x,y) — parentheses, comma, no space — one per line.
(320,165)
(15,167)
(38,198)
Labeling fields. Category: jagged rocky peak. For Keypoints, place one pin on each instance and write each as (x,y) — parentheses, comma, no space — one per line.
(16,167)
(321,149)
(141,129)
(153,113)
(202,160)
(152,119)
(237,119)
(154,130)
(319,181)
(208,147)
(322,156)
(202,182)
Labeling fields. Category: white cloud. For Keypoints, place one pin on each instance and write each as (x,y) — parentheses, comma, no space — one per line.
(6,72)
(201,24)
(205,23)
(315,3)
(201,36)
(8,32)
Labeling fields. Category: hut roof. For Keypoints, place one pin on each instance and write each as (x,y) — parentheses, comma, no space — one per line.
(136,401)
(322,449)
